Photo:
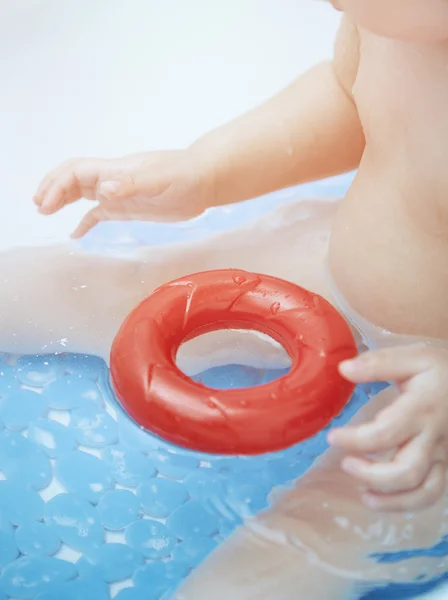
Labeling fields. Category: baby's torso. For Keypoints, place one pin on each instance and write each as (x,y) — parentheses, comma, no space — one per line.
(389,247)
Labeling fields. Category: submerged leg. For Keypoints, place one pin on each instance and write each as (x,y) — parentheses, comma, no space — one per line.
(251,567)
(316,541)
(58,299)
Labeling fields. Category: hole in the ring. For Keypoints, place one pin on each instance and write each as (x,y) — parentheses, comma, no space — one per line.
(233,359)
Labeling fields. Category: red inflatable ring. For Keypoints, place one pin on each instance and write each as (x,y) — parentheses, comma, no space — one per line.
(271,417)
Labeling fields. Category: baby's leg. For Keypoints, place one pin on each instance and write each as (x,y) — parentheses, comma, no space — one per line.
(316,540)
(251,567)
(58,299)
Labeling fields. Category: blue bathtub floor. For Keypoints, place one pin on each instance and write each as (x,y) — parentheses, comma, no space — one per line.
(91,505)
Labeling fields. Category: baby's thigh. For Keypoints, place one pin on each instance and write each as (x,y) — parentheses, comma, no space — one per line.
(290,242)
(298,247)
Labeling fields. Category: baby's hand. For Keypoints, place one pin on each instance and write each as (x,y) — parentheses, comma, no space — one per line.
(152,186)
(414,428)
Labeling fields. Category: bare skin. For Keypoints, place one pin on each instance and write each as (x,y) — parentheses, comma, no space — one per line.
(381,106)
(397,204)
(79,300)
(316,540)
(287,549)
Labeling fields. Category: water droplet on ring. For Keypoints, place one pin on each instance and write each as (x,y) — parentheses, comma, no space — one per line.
(275,308)
(239,279)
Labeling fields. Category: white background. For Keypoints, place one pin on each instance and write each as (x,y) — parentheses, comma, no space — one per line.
(110,77)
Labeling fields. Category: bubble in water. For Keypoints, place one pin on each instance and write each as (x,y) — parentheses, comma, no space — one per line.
(151,538)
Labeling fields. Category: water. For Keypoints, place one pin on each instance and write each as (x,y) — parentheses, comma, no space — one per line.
(92,507)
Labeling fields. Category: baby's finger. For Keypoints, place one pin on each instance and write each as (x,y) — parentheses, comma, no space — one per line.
(49,178)
(75,180)
(407,471)
(89,221)
(384,433)
(61,192)
(388,364)
(422,497)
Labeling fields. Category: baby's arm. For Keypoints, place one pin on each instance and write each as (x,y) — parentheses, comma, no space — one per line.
(309,131)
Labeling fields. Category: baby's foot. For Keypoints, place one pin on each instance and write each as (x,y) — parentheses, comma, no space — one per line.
(156,186)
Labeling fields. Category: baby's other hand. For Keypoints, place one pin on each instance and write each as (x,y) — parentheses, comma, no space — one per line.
(152,186)
(414,428)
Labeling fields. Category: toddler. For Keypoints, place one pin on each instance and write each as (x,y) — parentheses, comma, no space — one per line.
(380,255)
